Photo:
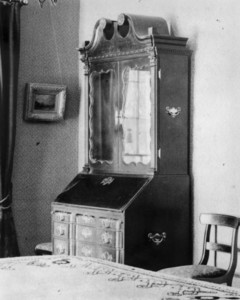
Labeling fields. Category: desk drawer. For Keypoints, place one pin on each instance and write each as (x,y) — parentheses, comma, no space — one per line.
(61,216)
(110,254)
(109,223)
(86,249)
(105,253)
(86,219)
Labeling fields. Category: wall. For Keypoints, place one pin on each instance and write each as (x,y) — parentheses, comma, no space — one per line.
(211,27)
(46,155)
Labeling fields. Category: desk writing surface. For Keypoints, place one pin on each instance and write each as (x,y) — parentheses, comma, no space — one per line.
(104,191)
(74,278)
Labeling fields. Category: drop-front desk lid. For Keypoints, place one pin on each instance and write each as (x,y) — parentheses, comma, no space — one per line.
(103,191)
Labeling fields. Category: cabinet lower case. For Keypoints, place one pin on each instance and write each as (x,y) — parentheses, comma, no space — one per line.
(87,232)
(150,230)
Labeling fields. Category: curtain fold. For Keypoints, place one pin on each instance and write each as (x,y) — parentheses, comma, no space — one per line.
(9,63)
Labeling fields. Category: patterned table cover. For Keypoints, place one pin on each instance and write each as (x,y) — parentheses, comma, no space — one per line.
(75,278)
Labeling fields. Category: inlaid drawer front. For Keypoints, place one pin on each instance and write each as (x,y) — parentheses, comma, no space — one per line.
(60,247)
(109,254)
(110,223)
(109,238)
(61,217)
(86,220)
(60,229)
(88,250)
(85,233)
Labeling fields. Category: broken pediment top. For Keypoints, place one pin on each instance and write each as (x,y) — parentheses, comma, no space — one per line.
(128,28)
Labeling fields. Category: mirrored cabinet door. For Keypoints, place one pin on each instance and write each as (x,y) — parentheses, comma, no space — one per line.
(120,116)
(103,99)
(135,106)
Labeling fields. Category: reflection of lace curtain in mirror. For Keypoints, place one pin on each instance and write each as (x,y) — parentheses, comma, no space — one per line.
(129,142)
(137,115)
(129,136)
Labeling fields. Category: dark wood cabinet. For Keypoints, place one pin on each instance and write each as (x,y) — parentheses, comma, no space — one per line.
(173,128)
(132,202)
(161,211)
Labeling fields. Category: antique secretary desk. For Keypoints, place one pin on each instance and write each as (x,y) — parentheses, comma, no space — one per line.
(131,202)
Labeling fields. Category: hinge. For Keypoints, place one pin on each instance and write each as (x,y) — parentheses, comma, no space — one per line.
(160,74)
(159,153)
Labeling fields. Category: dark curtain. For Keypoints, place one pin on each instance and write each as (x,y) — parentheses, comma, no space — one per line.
(9,62)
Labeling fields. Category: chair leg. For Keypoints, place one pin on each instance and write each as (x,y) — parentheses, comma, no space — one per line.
(229,282)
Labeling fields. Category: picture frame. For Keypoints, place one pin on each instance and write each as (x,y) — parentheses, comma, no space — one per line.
(45,102)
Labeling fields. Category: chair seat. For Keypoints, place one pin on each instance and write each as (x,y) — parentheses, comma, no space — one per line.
(43,248)
(194,271)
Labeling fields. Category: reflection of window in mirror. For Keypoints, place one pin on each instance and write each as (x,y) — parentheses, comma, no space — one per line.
(136,116)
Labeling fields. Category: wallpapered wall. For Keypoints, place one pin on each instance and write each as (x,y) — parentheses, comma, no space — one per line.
(46,155)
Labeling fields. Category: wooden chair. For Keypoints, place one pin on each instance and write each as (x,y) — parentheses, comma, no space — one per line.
(203,271)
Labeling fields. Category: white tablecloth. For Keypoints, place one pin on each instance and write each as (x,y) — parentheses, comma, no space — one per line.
(65,277)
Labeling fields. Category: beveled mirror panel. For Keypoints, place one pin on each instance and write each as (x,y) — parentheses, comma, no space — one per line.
(101,116)
(136,115)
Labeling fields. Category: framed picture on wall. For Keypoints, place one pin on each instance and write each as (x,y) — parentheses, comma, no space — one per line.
(45,102)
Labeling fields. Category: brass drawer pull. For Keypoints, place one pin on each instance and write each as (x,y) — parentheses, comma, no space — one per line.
(173,111)
(60,231)
(87,219)
(86,232)
(106,238)
(157,238)
(60,250)
(106,223)
(107,256)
